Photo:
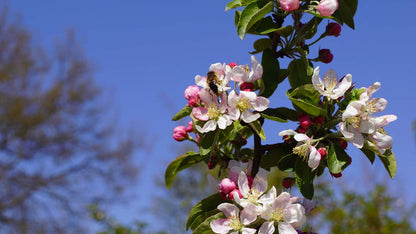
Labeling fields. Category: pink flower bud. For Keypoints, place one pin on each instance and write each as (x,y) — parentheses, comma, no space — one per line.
(246,86)
(192,92)
(190,127)
(322,152)
(301,129)
(318,120)
(288,182)
(231,194)
(250,181)
(327,7)
(227,185)
(179,133)
(289,5)
(337,175)
(333,29)
(325,55)
(304,120)
(193,102)
(232,64)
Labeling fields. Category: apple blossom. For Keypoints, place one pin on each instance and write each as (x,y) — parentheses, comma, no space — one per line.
(241,73)
(285,213)
(190,127)
(240,105)
(304,120)
(179,133)
(227,185)
(329,86)
(191,92)
(327,7)
(213,112)
(289,5)
(235,220)
(222,71)
(305,149)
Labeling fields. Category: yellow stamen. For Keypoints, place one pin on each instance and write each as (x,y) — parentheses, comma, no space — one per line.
(234,223)
(301,150)
(243,104)
(277,215)
(213,111)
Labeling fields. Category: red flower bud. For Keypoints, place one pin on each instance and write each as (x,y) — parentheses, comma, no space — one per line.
(287,138)
(333,29)
(322,152)
(337,175)
(288,182)
(212,161)
(300,129)
(246,86)
(343,143)
(325,55)
(231,194)
(318,120)
(190,127)
(289,5)
(193,102)
(227,185)
(304,120)
(179,133)
(232,64)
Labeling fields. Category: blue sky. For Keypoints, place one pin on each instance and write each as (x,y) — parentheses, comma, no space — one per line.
(147,52)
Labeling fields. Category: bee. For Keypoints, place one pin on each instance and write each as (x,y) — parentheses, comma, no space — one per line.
(212,81)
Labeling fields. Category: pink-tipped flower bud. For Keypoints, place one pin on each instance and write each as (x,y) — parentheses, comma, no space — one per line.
(250,181)
(288,182)
(190,127)
(289,5)
(232,64)
(322,152)
(325,55)
(337,175)
(327,7)
(193,102)
(343,143)
(301,129)
(179,133)
(235,191)
(246,86)
(227,185)
(304,120)
(318,120)
(192,92)
(333,29)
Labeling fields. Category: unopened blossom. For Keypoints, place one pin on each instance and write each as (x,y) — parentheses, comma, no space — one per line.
(190,127)
(327,7)
(240,106)
(227,185)
(221,71)
(333,29)
(283,211)
(235,222)
(325,56)
(305,149)
(304,120)
(289,5)
(329,86)
(179,133)
(213,113)
(256,194)
(243,74)
(191,92)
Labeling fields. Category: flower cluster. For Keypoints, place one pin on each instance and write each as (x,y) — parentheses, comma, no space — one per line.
(255,208)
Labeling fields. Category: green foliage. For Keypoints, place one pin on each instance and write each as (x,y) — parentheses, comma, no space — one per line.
(389,161)
(337,158)
(280,114)
(180,163)
(304,178)
(185,111)
(203,210)
(307,98)
(346,11)
(276,156)
(271,73)
(299,73)
(252,14)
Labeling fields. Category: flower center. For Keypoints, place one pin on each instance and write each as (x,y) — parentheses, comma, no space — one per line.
(330,83)
(371,107)
(234,223)
(253,195)
(243,105)
(301,150)
(277,215)
(354,121)
(213,111)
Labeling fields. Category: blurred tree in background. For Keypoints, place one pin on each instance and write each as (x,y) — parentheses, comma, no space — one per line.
(59,149)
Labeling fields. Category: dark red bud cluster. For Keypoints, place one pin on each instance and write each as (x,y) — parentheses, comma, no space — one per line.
(246,86)
(325,56)
(333,29)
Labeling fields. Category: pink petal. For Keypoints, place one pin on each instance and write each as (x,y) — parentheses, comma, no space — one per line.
(200,113)
(267,228)
(220,226)
(260,104)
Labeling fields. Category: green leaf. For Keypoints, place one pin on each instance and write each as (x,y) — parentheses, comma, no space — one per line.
(271,77)
(280,114)
(205,228)
(256,126)
(370,154)
(180,163)
(206,142)
(275,155)
(389,161)
(206,205)
(305,31)
(250,15)
(261,44)
(306,97)
(304,178)
(346,11)
(182,113)
(237,16)
(298,73)
(238,3)
(337,158)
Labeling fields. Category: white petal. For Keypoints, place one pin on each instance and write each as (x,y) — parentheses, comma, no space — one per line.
(234,113)
(238,74)
(223,121)
(233,98)
(288,132)
(295,213)
(357,140)
(373,88)
(248,214)
(218,68)
(282,200)
(209,126)
(314,158)
(285,228)
(317,82)
(341,87)
(201,81)
(251,96)
(367,126)
(383,141)
(267,228)
(302,137)
(220,226)
(243,184)
(248,231)
(207,96)
(260,181)
(268,198)
(260,104)
(229,209)
(380,104)
(248,117)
